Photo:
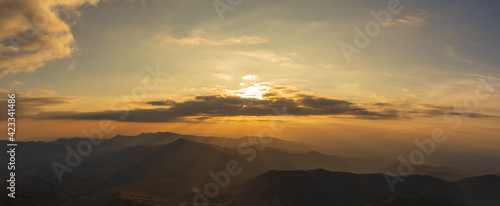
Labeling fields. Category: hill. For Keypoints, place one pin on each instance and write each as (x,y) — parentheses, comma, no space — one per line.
(321,187)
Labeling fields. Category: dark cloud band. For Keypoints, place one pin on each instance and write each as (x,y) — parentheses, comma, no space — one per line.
(209,106)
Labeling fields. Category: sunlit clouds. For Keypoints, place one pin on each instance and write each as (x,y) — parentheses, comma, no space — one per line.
(249,77)
(256,90)
(70,62)
(33,33)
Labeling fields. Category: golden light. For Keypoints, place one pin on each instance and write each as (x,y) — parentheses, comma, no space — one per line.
(253,91)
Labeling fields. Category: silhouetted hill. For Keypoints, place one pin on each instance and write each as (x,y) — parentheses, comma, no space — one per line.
(443,172)
(483,190)
(161,138)
(147,174)
(162,169)
(321,187)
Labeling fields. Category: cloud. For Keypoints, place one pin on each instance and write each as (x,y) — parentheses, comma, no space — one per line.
(260,99)
(15,83)
(257,99)
(428,110)
(167,102)
(31,102)
(33,33)
(412,20)
(382,104)
(250,77)
(256,90)
(409,20)
(209,106)
(200,37)
(229,104)
(409,111)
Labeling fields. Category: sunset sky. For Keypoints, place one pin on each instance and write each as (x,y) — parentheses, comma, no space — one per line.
(73,63)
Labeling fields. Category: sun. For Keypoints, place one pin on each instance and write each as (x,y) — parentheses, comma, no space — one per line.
(253,91)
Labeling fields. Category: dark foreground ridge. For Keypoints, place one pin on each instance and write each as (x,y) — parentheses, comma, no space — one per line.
(321,187)
(163,168)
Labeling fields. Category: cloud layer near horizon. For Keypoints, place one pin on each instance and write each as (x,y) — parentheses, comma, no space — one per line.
(32,102)
(295,103)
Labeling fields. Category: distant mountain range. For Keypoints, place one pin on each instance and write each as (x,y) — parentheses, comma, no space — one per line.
(444,172)
(321,188)
(161,138)
(163,168)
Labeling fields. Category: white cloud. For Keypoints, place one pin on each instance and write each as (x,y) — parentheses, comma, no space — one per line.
(256,90)
(250,77)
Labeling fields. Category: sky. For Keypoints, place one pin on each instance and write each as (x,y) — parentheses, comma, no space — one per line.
(328,71)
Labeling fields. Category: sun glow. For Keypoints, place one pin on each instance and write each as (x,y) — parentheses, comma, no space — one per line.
(252,91)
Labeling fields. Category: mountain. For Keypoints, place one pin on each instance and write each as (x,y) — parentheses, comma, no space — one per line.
(45,152)
(444,172)
(163,169)
(161,138)
(150,173)
(321,187)
(483,190)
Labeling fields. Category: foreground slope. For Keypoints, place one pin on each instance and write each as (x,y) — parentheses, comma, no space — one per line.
(322,188)
(147,174)
(162,169)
